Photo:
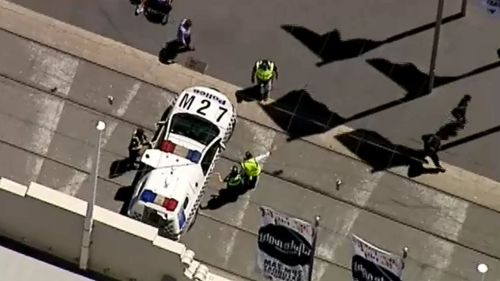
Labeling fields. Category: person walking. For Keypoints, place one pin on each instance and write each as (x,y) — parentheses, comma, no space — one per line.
(432,144)
(459,111)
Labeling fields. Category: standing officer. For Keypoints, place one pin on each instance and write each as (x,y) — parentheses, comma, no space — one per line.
(265,71)
(137,142)
(252,168)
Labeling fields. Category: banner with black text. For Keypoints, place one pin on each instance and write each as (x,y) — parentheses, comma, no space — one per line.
(370,263)
(285,247)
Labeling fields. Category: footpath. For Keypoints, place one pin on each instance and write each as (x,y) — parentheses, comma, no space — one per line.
(173,78)
(146,67)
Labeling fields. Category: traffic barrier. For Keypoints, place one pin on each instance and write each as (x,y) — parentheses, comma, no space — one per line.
(121,248)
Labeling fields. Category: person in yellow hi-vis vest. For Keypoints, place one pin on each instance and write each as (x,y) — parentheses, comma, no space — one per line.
(252,168)
(265,71)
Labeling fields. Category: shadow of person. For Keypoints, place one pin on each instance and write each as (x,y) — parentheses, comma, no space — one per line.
(449,129)
(381,154)
(248,94)
(299,115)
(226,196)
(329,46)
(124,194)
(118,168)
(171,50)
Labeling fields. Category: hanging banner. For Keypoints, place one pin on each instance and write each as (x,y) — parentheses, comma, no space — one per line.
(370,263)
(492,6)
(285,247)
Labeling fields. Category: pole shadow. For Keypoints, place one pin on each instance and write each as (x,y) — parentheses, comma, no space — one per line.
(330,47)
(381,154)
(414,81)
(470,138)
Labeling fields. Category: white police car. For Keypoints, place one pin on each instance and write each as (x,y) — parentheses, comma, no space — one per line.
(186,147)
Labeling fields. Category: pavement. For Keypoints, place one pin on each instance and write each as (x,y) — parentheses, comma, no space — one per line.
(49,104)
(386,45)
(51,100)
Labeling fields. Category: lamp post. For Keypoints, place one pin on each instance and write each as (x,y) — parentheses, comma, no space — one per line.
(482,268)
(89,217)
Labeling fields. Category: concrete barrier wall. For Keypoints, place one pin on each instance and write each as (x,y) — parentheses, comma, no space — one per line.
(125,248)
(42,218)
(121,248)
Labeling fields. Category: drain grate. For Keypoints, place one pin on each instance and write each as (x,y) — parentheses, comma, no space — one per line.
(196,65)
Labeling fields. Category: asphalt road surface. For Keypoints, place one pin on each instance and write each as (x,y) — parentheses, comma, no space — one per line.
(374,56)
(50,103)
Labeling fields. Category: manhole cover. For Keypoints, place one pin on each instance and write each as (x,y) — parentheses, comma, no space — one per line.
(196,65)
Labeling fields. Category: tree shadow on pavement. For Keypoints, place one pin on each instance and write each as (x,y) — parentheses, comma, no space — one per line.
(225,196)
(300,115)
(331,47)
(381,154)
(414,81)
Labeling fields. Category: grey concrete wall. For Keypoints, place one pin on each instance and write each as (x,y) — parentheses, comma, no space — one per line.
(122,248)
(41,220)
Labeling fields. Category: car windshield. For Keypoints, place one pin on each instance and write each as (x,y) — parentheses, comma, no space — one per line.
(194,127)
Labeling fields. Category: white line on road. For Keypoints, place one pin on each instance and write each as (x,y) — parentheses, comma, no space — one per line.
(50,69)
(262,142)
(450,219)
(362,193)
(74,184)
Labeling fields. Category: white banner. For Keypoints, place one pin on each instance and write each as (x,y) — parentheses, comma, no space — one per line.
(372,263)
(285,248)
(492,6)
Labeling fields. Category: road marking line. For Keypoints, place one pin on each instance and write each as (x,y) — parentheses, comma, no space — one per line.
(451,217)
(50,69)
(362,193)
(261,143)
(78,178)
(239,222)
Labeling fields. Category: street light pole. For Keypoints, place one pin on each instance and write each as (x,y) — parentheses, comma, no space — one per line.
(89,217)
(435,44)
(482,268)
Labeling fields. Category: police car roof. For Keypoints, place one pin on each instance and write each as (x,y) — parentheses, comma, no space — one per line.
(205,91)
(172,182)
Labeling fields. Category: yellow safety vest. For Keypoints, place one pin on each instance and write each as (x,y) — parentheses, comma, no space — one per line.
(251,167)
(235,181)
(264,75)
